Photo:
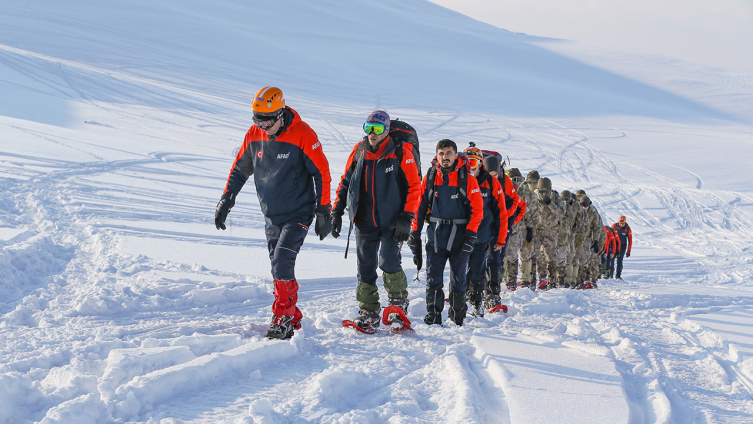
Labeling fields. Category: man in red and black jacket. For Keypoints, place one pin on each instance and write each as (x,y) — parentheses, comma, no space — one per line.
(626,242)
(292,181)
(492,233)
(452,204)
(381,190)
(611,248)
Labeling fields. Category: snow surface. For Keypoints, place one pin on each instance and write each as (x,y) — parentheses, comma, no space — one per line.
(120,302)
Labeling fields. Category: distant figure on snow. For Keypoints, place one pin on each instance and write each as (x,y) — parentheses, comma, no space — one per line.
(626,243)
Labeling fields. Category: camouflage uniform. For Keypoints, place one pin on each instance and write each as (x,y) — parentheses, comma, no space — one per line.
(580,228)
(600,236)
(589,260)
(564,240)
(551,216)
(529,253)
(519,230)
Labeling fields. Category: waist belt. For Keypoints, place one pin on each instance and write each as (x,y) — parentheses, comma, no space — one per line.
(453,232)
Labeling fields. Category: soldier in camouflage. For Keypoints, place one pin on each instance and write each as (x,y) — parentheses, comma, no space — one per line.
(564,241)
(529,253)
(593,242)
(547,231)
(580,226)
(522,231)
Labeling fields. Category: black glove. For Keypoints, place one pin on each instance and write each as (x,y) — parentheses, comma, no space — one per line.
(402,227)
(337,223)
(468,241)
(323,225)
(627,254)
(223,208)
(547,200)
(529,234)
(595,246)
(414,242)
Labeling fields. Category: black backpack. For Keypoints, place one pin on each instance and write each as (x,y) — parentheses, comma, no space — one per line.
(401,132)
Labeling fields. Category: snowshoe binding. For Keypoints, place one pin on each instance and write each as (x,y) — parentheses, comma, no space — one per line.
(367,322)
(282,327)
(395,318)
(493,303)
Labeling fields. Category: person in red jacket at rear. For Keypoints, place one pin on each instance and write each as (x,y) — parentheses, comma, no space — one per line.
(292,181)
(611,248)
(452,204)
(626,243)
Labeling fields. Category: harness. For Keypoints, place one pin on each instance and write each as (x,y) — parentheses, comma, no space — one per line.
(431,176)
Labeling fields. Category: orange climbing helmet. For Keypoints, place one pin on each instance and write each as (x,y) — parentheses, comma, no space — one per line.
(268,100)
(622,219)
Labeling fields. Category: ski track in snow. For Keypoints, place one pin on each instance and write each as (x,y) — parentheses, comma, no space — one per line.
(119,303)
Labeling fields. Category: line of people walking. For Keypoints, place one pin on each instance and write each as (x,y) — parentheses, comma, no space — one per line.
(481,219)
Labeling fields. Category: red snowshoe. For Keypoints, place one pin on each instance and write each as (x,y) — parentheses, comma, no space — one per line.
(395,319)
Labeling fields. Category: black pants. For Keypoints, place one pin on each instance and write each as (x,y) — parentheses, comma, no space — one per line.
(284,241)
(620,257)
(375,249)
(477,262)
(435,263)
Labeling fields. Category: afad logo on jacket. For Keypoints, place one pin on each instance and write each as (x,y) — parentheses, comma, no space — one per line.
(258,154)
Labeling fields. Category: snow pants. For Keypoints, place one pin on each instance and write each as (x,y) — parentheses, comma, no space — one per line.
(284,241)
(548,246)
(514,245)
(584,257)
(435,264)
(571,264)
(620,257)
(476,277)
(559,267)
(529,254)
(374,249)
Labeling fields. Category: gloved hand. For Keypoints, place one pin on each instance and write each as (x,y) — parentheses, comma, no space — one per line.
(547,200)
(468,241)
(529,234)
(223,208)
(337,223)
(402,227)
(414,242)
(595,246)
(627,254)
(323,225)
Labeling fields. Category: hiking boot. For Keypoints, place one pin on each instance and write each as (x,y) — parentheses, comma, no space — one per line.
(458,308)
(281,327)
(368,320)
(431,319)
(402,303)
(478,309)
(492,300)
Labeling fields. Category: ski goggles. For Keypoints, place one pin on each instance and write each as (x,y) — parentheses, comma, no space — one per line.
(474,162)
(266,122)
(374,127)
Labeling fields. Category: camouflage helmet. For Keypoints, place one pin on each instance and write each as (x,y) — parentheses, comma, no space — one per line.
(491,163)
(533,176)
(585,201)
(580,193)
(544,183)
(566,194)
(514,173)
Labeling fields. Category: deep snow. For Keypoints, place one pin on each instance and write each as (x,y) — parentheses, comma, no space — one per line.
(121,302)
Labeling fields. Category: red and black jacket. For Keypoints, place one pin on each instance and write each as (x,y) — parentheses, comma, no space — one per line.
(493,227)
(626,236)
(447,206)
(377,186)
(290,170)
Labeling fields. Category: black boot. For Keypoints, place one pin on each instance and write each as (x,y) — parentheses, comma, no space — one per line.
(458,307)
(281,327)
(434,306)
(476,297)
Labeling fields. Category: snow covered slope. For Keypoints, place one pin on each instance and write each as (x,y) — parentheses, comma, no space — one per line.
(121,302)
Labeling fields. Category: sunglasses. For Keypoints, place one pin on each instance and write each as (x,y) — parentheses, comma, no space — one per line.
(373,127)
(266,122)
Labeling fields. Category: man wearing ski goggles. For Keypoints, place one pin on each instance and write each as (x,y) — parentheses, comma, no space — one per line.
(266,121)
(373,127)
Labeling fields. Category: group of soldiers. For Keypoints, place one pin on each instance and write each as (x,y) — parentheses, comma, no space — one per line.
(479,218)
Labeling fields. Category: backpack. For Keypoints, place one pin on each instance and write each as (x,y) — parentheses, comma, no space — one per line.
(401,132)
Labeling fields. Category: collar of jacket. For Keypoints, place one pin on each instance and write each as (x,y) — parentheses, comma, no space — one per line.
(386,147)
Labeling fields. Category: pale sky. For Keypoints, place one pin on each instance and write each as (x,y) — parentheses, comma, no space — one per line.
(715,32)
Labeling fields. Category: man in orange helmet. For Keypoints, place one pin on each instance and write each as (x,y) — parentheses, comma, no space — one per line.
(292,181)
(626,243)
